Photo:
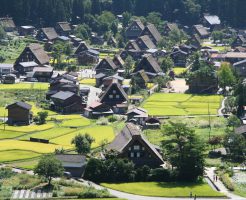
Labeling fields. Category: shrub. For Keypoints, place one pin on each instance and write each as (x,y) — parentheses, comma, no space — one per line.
(227,182)
(93,193)
(102,121)
(6,173)
(160,175)
(112,119)
(72,191)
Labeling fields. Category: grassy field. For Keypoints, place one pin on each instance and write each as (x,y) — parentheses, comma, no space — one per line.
(166,189)
(162,104)
(28,164)
(99,133)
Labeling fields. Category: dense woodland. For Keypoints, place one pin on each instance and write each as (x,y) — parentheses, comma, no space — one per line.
(47,12)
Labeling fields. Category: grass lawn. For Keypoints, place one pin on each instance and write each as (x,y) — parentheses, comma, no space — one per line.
(76,122)
(10,134)
(13,155)
(28,146)
(162,104)
(240,189)
(48,134)
(88,81)
(166,189)
(25,86)
(99,133)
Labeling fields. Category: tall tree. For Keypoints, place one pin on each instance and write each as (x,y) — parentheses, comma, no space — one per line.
(184,151)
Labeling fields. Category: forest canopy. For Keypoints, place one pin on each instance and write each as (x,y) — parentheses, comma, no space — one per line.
(187,12)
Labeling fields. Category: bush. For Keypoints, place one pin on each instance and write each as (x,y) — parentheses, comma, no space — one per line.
(112,119)
(72,191)
(6,173)
(102,121)
(93,193)
(227,182)
(160,175)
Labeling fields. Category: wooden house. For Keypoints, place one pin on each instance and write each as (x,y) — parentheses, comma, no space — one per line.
(168,27)
(25,67)
(152,32)
(240,68)
(115,97)
(106,66)
(212,22)
(240,41)
(109,79)
(47,34)
(234,57)
(88,57)
(63,28)
(195,41)
(73,164)
(8,24)
(81,48)
(26,30)
(19,113)
(66,102)
(97,39)
(150,65)
(144,42)
(118,61)
(9,79)
(141,79)
(134,30)
(35,53)
(6,69)
(201,31)
(137,116)
(179,58)
(43,74)
(131,144)
(132,45)
(97,109)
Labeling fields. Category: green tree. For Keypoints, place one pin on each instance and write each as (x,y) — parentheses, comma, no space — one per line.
(49,167)
(126,19)
(42,116)
(83,143)
(129,62)
(154,18)
(217,36)
(166,64)
(226,76)
(240,93)
(2,33)
(184,151)
(236,145)
(233,121)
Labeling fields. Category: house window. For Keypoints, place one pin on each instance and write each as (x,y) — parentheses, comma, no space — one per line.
(143,148)
(111,96)
(132,155)
(130,149)
(114,91)
(138,155)
(117,96)
(136,147)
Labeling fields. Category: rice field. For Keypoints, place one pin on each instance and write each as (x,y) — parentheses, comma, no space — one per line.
(162,104)
(14,155)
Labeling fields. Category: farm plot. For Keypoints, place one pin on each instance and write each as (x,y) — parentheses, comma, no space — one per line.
(48,134)
(14,155)
(10,134)
(28,146)
(25,86)
(76,122)
(182,104)
(99,133)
